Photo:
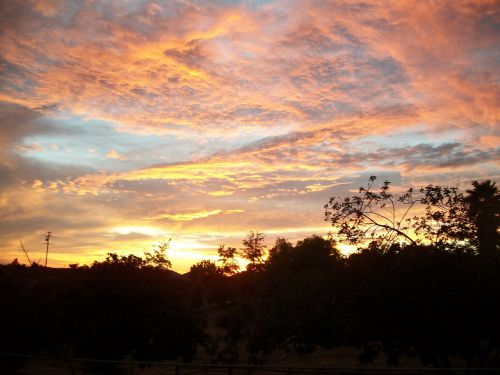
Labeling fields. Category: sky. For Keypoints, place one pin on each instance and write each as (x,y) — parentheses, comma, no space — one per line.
(126,123)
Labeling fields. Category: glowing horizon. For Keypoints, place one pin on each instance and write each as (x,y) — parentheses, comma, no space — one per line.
(127,123)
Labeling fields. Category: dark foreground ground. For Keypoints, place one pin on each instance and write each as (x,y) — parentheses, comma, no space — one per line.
(58,366)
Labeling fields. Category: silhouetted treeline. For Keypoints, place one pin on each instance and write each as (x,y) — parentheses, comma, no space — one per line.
(439,302)
(443,301)
(109,310)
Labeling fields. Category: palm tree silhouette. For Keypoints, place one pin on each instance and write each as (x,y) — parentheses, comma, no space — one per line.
(484,211)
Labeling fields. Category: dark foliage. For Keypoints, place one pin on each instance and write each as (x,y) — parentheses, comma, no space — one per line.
(440,298)
(450,219)
(110,310)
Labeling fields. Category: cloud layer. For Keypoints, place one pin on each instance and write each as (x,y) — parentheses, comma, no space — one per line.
(202,120)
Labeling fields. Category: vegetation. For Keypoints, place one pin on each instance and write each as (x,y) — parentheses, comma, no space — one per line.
(446,218)
(428,282)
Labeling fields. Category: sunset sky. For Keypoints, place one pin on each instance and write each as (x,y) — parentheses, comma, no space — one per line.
(123,123)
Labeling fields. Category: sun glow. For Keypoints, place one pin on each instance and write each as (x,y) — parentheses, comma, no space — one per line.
(347,250)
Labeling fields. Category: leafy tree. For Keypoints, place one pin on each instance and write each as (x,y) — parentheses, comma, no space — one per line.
(484,212)
(227,256)
(453,219)
(155,259)
(113,259)
(158,258)
(205,270)
(371,215)
(449,219)
(254,249)
(281,248)
(298,293)
(446,221)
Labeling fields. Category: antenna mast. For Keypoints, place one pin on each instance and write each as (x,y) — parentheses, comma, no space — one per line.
(25,252)
(47,240)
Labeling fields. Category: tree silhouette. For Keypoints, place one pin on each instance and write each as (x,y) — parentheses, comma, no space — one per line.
(205,270)
(281,248)
(371,215)
(227,256)
(254,249)
(446,221)
(158,258)
(113,259)
(484,211)
(448,218)
(155,259)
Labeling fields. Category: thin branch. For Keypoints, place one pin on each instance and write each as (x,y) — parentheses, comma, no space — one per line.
(382,216)
(406,212)
(388,227)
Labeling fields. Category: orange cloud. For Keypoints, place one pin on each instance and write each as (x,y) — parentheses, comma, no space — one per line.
(113,154)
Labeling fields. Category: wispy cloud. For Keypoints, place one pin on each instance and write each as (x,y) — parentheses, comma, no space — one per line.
(189,216)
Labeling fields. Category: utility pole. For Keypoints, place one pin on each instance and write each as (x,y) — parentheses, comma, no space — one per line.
(47,240)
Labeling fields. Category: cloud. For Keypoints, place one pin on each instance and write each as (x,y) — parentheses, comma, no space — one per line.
(18,122)
(48,8)
(267,169)
(235,66)
(189,216)
(113,154)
